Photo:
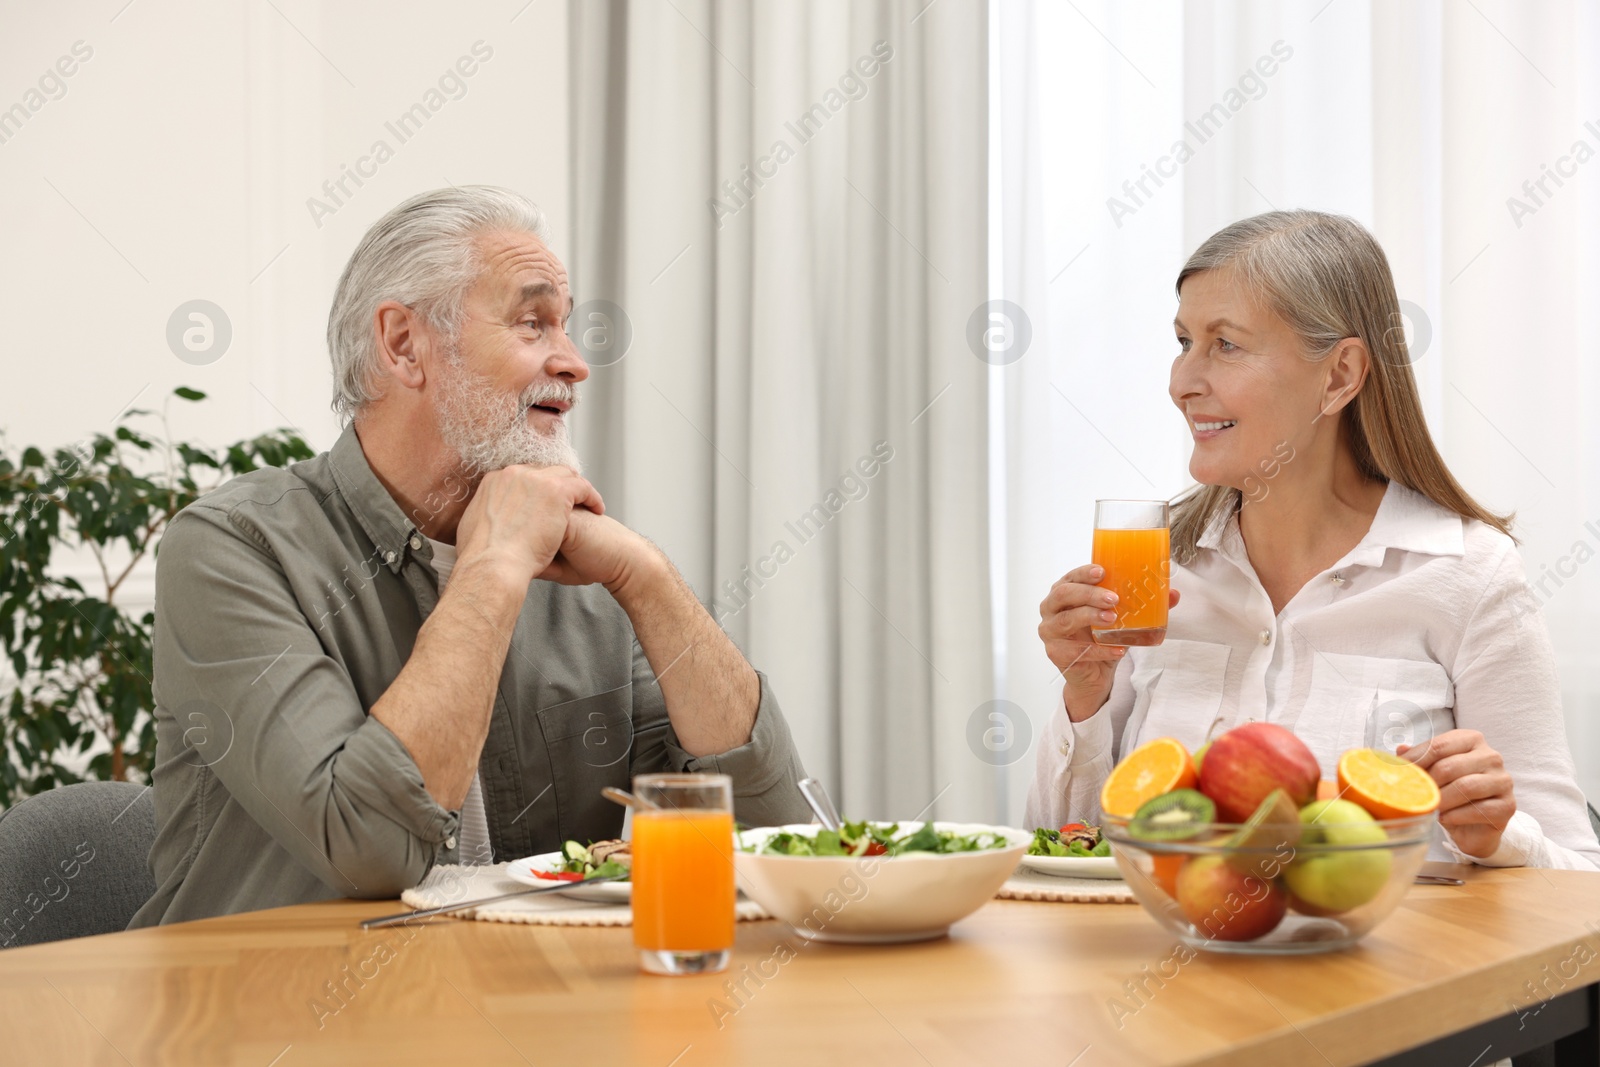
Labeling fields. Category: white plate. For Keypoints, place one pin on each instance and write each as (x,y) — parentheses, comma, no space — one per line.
(599,893)
(1071,866)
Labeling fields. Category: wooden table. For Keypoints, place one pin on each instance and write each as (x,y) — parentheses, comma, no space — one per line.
(1018,982)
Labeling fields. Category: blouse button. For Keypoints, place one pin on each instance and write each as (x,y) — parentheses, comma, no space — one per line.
(1066,748)
(1266,637)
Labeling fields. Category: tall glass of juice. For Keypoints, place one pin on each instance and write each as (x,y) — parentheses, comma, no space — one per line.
(683,891)
(1131,542)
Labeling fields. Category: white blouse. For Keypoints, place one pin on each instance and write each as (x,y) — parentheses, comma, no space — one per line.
(1426,625)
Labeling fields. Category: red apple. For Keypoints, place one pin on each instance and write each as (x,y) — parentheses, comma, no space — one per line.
(1248,762)
(1226,904)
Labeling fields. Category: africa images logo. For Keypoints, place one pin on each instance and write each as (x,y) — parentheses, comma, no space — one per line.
(1251,86)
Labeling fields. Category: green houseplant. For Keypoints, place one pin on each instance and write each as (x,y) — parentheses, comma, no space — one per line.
(81,665)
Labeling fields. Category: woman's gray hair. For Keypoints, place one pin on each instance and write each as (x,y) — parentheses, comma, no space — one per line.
(423,254)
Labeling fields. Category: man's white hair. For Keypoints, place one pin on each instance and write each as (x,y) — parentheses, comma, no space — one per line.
(423,254)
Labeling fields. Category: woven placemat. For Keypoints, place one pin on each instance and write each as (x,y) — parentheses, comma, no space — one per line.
(451,883)
(1031,885)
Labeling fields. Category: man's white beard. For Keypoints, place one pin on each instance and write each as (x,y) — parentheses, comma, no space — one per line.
(490,430)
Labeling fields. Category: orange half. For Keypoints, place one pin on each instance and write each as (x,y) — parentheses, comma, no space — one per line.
(1164,869)
(1386,785)
(1153,768)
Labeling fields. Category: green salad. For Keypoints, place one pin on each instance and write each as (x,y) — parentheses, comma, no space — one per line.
(875,839)
(1073,839)
(600,859)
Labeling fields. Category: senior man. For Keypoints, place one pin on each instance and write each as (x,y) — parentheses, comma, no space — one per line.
(430,644)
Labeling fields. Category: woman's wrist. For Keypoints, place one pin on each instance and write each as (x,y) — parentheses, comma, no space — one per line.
(1081,706)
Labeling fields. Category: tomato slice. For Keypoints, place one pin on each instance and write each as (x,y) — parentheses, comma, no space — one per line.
(559,876)
(1073,827)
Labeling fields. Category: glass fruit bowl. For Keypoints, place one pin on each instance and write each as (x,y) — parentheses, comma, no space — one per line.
(1273,887)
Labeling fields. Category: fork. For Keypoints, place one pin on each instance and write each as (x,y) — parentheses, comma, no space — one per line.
(406,916)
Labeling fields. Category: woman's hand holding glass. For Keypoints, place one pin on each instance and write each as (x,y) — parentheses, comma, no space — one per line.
(1073,605)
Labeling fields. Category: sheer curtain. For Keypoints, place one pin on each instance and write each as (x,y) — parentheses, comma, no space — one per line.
(1466,136)
(779,213)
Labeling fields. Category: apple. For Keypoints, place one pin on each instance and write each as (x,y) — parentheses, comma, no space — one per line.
(1328,883)
(1298,905)
(1248,762)
(1226,904)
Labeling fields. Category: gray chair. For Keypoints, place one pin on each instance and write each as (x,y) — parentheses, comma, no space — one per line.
(73,862)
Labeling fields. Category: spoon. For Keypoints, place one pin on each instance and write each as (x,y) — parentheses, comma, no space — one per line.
(817,797)
(626,799)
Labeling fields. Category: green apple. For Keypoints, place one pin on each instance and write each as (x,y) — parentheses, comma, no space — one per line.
(1337,881)
(1200,754)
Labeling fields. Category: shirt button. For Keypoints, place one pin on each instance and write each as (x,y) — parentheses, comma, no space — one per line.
(1266,637)
(450,842)
(388,557)
(416,542)
(1066,748)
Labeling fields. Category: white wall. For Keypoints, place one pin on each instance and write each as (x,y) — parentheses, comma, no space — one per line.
(176,163)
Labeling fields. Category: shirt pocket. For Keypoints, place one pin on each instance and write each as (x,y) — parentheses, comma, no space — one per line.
(1177,691)
(1374,702)
(587,743)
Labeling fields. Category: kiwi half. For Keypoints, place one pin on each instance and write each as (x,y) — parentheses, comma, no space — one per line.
(1175,816)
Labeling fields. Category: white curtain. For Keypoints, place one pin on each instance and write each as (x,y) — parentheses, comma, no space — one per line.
(784,205)
(1421,119)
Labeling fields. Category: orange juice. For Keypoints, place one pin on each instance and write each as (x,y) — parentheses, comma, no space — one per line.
(683,880)
(1136,569)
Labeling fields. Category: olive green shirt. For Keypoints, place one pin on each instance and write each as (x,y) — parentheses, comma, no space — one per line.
(286,603)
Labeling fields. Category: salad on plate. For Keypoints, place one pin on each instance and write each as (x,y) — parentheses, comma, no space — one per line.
(1073,839)
(600,859)
(1076,850)
(599,871)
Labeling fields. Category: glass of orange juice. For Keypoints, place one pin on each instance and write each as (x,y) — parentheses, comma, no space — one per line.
(1131,542)
(683,892)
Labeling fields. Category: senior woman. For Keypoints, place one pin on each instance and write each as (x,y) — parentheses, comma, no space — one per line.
(1329,574)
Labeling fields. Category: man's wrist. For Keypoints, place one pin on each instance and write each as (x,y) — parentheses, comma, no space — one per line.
(494,568)
(646,577)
